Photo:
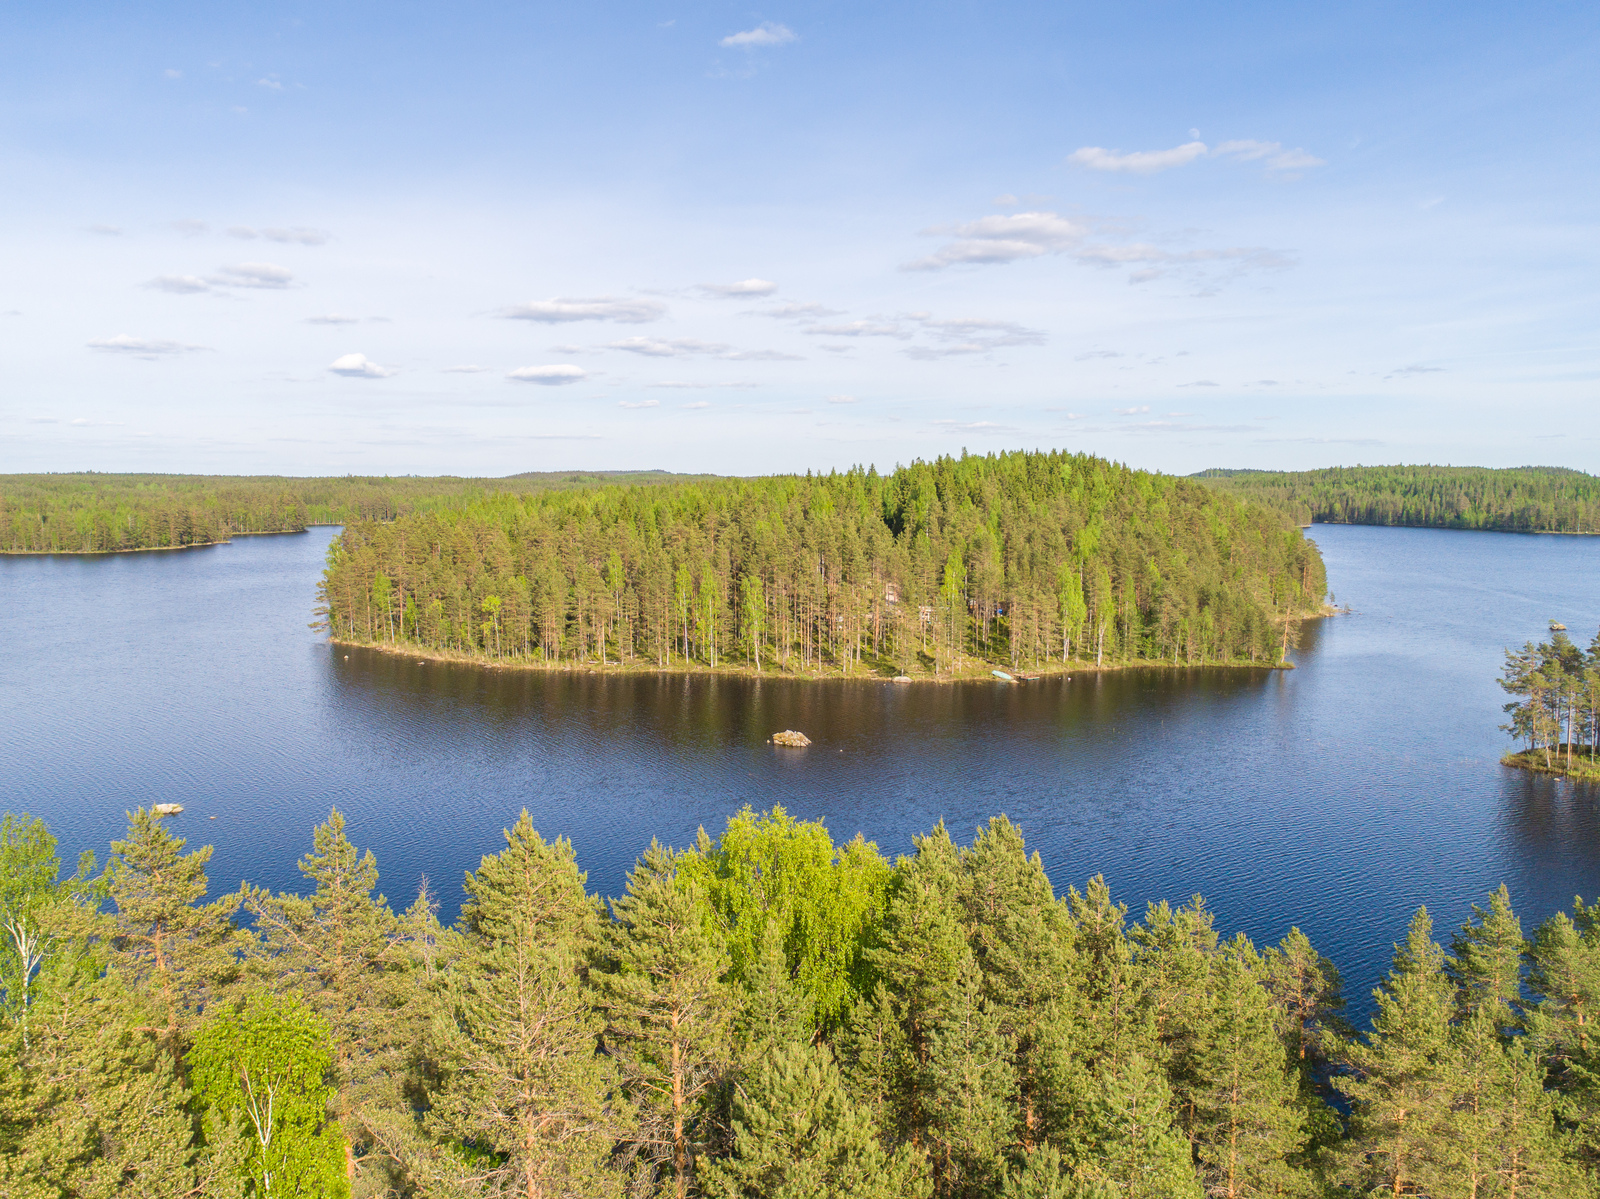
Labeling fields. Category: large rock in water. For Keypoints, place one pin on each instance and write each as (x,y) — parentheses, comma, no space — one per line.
(790,737)
(165,809)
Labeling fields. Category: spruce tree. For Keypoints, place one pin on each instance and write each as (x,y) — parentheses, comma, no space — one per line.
(1249,1123)
(183,953)
(521,1080)
(1398,1079)
(798,1136)
(669,1010)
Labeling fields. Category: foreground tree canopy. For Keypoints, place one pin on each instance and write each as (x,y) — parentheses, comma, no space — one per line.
(1523,499)
(1017,559)
(767,1014)
(94,513)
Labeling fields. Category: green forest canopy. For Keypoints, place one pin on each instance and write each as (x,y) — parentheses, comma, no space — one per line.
(1014,558)
(767,1014)
(1523,499)
(97,513)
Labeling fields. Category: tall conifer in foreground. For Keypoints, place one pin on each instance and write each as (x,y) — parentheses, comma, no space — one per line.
(1398,1086)
(669,1011)
(338,948)
(184,953)
(522,1102)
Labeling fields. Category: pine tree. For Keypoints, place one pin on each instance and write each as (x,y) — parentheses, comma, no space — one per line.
(1022,940)
(184,953)
(1565,1025)
(1248,1118)
(90,1106)
(1486,961)
(339,948)
(1131,1147)
(668,1008)
(969,1084)
(798,1136)
(1398,1087)
(517,1037)
(1174,950)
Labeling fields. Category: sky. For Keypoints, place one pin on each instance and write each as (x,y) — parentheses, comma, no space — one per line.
(485,238)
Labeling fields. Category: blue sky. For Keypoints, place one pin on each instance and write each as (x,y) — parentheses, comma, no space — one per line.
(482,238)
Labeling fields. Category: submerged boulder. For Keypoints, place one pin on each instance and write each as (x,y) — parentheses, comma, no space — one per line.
(791,738)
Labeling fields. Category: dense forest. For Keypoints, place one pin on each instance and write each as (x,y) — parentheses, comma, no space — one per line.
(100,513)
(766,1015)
(1555,709)
(1020,559)
(1524,499)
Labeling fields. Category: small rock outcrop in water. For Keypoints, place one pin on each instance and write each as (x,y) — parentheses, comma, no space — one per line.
(165,809)
(790,737)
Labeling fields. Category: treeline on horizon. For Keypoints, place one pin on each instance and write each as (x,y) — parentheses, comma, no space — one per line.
(1014,558)
(103,513)
(1523,499)
(767,1015)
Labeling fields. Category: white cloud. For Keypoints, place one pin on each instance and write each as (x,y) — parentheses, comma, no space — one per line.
(1200,383)
(656,347)
(106,230)
(180,285)
(1005,200)
(841,399)
(739,290)
(467,369)
(1097,354)
(1148,162)
(1139,162)
(858,329)
(190,227)
(971,335)
(271,83)
(981,427)
(254,274)
(768,33)
(598,308)
(358,366)
(993,239)
(699,404)
(680,385)
(760,356)
(140,347)
(332,318)
(791,312)
(299,235)
(549,376)
(172,73)
(638,403)
(1277,158)
(1139,411)
(1414,370)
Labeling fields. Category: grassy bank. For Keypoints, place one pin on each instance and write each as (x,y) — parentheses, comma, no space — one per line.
(1585,767)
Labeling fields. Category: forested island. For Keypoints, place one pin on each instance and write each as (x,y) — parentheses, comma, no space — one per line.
(1555,709)
(1524,499)
(90,513)
(1026,560)
(767,1014)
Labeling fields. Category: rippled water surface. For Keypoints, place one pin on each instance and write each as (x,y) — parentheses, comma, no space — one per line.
(1336,796)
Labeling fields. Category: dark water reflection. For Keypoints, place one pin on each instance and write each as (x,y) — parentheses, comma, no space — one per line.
(1337,796)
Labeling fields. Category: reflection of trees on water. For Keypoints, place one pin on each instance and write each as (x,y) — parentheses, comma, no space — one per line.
(1553,826)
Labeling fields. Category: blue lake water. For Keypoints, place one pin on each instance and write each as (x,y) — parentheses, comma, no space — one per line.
(1337,796)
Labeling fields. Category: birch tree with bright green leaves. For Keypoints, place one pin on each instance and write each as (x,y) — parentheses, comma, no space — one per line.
(30,886)
(265,1069)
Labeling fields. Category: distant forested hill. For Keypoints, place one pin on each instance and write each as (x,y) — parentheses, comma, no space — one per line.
(96,513)
(1013,559)
(1523,499)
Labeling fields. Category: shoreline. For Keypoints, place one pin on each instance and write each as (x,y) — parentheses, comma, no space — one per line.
(968,672)
(1532,760)
(153,549)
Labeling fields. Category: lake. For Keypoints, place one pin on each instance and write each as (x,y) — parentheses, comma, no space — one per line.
(1337,796)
